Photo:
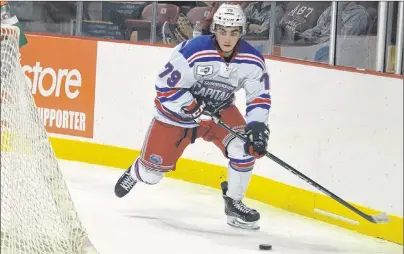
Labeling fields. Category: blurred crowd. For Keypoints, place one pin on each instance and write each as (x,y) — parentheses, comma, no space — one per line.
(295,24)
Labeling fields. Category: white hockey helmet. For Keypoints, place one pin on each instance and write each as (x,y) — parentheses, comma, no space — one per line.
(229,15)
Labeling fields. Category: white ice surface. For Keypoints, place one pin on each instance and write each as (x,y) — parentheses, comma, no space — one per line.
(179,217)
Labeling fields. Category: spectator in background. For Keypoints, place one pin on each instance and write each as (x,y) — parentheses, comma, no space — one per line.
(61,11)
(298,17)
(258,21)
(352,19)
(182,30)
(45,16)
(259,16)
(171,33)
(31,15)
(372,11)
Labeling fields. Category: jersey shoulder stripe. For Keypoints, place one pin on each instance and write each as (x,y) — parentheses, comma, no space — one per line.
(197,45)
(204,57)
(248,54)
(249,61)
(247,48)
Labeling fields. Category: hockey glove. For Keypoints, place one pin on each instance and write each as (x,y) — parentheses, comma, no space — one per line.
(197,111)
(201,109)
(257,139)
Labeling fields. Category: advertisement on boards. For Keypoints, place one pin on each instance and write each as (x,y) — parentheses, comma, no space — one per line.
(61,73)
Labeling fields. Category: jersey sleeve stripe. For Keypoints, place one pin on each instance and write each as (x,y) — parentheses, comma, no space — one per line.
(170,96)
(261,105)
(265,95)
(168,93)
(164,89)
(171,115)
(260,100)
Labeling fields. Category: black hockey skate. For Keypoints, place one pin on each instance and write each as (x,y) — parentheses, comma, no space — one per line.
(238,214)
(125,184)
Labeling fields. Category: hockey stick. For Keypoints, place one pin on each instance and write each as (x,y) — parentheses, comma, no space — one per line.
(378,218)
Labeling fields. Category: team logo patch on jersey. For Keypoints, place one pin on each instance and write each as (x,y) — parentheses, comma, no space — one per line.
(156,159)
(204,70)
(214,91)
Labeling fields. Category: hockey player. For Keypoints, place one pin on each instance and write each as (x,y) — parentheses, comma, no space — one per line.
(200,79)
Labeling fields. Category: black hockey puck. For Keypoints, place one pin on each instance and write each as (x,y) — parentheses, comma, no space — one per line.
(265,247)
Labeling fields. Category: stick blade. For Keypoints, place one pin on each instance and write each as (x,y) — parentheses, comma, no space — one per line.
(380,218)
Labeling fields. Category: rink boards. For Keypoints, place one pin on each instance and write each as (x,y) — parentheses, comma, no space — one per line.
(341,128)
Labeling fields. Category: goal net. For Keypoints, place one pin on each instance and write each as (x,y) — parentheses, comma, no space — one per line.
(37,213)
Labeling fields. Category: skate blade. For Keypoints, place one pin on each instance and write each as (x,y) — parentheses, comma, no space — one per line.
(238,223)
